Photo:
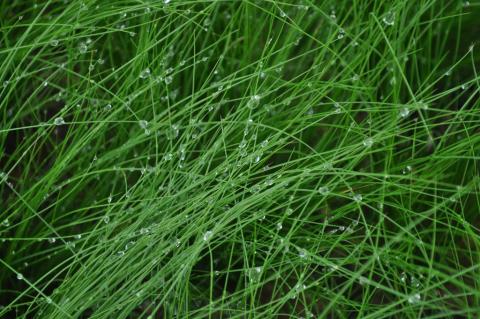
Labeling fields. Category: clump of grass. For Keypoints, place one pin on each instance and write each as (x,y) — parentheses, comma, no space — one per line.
(254,159)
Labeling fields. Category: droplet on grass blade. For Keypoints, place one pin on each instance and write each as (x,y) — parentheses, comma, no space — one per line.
(404,112)
(254,100)
(389,19)
(415,298)
(368,142)
(357,197)
(145,73)
(208,234)
(59,121)
(337,107)
(143,124)
(341,34)
(54,43)
(82,48)
(20,276)
(324,190)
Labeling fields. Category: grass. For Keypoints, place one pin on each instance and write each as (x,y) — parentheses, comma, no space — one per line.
(239,159)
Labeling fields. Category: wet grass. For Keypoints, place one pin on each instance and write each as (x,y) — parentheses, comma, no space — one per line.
(239,159)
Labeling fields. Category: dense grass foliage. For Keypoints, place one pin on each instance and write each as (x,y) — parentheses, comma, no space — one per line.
(239,159)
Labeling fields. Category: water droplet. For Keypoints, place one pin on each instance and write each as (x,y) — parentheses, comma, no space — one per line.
(324,190)
(289,211)
(415,298)
(82,48)
(283,14)
(279,226)
(167,157)
(254,100)
(362,280)
(302,253)
(341,34)
(242,144)
(269,181)
(52,240)
(368,142)
(173,132)
(166,1)
(5,222)
(168,79)
(20,276)
(404,112)
(77,236)
(423,105)
(106,219)
(338,108)
(407,169)
(143,124)
(389,19)
(333,16)
(208,234)
(254,274)
(48,300)
(145,73)
(59,121)
(177,242)
(54,43)
(357,197)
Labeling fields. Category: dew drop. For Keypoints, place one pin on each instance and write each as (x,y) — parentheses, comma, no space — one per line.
(54,43)
(82,48)
(143,124)
(168,79)
(341,34)
(59,121)
(242,144)
(337,107)
(254,100)
(357,197)
(323,190)
(404,112)
(208,234)
(145,73)
(20,276)
(415,298)
(389,19)
(368,142)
